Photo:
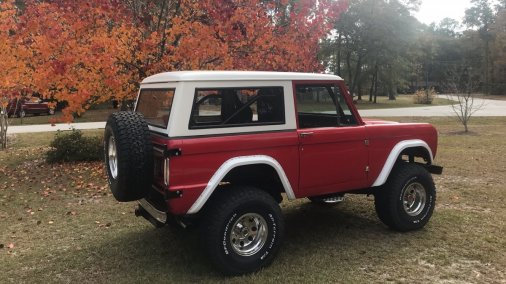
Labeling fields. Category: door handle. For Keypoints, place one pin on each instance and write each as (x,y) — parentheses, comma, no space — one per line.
(306,134)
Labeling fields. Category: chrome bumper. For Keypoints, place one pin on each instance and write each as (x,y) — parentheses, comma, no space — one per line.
(158,215)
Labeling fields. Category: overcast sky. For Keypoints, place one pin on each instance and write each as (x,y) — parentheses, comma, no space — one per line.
(436,10)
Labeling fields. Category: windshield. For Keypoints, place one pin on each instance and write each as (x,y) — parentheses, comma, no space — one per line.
(155,105)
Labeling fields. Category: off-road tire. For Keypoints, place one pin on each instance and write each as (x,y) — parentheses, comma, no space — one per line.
(132,176)
(224,214)
(391,198)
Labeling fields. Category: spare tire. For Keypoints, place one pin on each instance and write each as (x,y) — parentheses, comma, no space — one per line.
(128,155)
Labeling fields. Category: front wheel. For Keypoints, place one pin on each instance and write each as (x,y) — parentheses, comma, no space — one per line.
(242,230)
(406,202)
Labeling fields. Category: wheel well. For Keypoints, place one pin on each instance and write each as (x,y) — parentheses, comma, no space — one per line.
(261,176)
(416,154)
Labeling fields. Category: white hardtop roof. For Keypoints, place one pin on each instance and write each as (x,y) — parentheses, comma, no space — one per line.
(179,76)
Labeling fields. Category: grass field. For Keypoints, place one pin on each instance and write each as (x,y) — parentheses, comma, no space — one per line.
(58,223)
(400,102)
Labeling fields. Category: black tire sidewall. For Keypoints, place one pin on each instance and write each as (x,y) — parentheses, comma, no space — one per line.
(264,254)
(423,217)
(133,153)
(225,208)
(388,198)
(114,184)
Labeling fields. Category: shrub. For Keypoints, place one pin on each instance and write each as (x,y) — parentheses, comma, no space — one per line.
(73,146)
(424,97)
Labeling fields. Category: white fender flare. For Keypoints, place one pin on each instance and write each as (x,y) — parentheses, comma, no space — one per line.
(394,154)
(232,163)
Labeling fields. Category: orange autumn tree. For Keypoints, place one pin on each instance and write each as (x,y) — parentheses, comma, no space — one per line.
(72,53)
(87,52)
(13,69)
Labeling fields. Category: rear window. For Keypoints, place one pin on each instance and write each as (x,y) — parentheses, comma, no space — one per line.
(155,105)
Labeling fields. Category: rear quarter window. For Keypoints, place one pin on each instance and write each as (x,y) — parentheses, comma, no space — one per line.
(155,105)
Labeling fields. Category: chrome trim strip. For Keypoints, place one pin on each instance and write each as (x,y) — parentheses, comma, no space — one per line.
(160,216)
(166,171)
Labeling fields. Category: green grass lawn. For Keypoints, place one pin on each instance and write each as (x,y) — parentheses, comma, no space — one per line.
(59,223)
(400,102)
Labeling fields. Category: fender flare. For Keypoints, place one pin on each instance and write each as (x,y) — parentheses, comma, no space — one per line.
(232,163)
(394,154)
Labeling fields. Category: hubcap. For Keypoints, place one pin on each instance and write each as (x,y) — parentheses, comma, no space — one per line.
(249,234)
(414,199)
(113,159)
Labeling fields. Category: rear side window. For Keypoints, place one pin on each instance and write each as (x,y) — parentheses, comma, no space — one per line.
(231,107)
(155,105)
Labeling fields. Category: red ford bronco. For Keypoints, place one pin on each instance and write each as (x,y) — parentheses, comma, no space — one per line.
(221,149)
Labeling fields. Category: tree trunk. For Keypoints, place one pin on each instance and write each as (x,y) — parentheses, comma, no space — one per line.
(358,68)
(338,59)
(392,93)
(376,84)
(350,72)
(359,91)
(3,129)
(372,91)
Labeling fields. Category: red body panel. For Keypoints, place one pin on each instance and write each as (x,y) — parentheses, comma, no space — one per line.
(201,158)
(383,137)
(332,160)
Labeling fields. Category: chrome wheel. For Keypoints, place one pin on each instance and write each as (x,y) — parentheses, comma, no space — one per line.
(414,199)
(248,234)
(113,158)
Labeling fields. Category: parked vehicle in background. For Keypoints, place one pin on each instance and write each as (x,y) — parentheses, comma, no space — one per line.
(221,150)
(28,105)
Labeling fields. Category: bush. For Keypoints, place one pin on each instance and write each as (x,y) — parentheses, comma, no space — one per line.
(424,97)
(73,146)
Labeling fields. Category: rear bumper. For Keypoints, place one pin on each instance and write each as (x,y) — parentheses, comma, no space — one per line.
(151,213)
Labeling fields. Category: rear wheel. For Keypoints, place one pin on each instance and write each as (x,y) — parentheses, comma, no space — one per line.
(128,155)
(406,202)
(22,113)
(242,230)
